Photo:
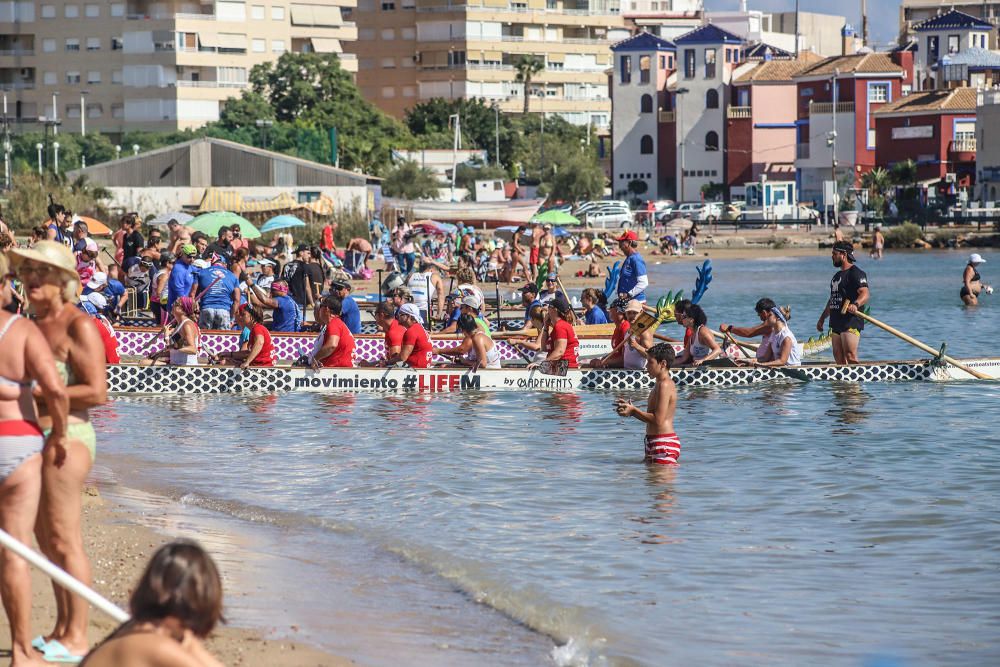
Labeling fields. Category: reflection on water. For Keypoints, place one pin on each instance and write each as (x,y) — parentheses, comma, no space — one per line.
(848,407)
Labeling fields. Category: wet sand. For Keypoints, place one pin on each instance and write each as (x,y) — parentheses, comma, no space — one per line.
(119,549)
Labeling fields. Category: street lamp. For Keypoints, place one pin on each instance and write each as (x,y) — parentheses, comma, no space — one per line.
(55,112)
(118,152)
(55,150)
(263,125)
(135,149)
(679,125)
(541,123)
(39,148)
(496,115)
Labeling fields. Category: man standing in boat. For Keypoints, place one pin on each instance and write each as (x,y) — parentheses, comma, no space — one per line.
(632,281)
(850,284)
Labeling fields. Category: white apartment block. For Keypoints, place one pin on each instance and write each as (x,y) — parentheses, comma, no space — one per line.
(145,65)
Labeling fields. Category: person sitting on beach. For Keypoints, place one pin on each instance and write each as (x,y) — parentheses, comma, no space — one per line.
(476,349)
(174,607)
(183,339)
(703,346)
(25,359)
(561,342)
(764,330)
(593,313)
(259,350)
(286,316)
(337,347)
(416,348)
(661,444)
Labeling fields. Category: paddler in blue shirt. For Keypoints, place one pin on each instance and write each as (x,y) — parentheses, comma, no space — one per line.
(632,281)
(350,314)
(286,315)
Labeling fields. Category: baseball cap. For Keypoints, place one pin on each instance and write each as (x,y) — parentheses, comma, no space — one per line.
(530,287)
(976,258)
(629,235)
(266,262)
(633,306)
(340,284)
(96,299)
(91,246)
(471,301)
(98,280)
(302,248)
(189,250)
(412,311)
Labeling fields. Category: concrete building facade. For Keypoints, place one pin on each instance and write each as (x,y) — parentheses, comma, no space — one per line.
(988,147)
(915,12)
(146,65)
(944,40)
(415,50)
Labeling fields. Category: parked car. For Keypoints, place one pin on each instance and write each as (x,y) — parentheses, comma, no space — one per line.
(711,211)
(689,210)
(610,217)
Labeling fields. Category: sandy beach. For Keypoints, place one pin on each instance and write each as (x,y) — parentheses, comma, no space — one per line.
(119,549)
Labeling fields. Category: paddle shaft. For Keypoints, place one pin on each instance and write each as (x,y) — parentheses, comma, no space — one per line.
(563,289)
(916,343)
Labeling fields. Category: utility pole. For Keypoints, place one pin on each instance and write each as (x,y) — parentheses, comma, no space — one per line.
(678,131)
(83,127)
(454,152)
(864,22)
(797,47)
(833,152)
(496,148)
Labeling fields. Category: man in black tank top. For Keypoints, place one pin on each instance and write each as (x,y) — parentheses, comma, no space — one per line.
(848,284)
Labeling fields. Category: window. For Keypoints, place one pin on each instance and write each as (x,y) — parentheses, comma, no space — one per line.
(712,99)
(118,9)
(878,92)
(116,76)
(72,44)
(626,69)
(871,138)
(92,11)
(95,110)
(93,76)
(646,145)
(49,78)
(646,104)
(259,45)
(72,77)
(48,11)
(388,63)
(709,63)
(670,62)
(644,65)
(663,62)
(408,33)
(93,43)
(953,43)
(257,12)
(689,66)
(388,34)
(388,91)
(409,91)
(712,141)
(49,45)
(277,46)
(277,13)
(72,11)
(388,6)
(456,57)
(117,110)
(932,49)
(72,110)
(116,43)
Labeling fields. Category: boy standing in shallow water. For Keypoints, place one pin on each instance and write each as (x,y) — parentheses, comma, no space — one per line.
(662,444)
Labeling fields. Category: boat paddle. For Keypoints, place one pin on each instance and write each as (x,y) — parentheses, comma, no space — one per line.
(787,371)
(916,343)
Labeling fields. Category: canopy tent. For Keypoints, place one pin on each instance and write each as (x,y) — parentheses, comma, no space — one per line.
(215,199)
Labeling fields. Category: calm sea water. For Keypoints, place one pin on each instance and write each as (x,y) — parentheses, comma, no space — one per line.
(808,524)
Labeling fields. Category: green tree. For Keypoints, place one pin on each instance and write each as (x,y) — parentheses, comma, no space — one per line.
(466,174)
(578,177)
(28,198)
(527,66)
(408,180)
(430,123)
(877,182)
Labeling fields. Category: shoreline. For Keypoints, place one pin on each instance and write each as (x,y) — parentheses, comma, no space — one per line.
(119,546)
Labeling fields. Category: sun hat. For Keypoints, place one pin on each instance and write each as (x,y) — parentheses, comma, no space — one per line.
(629,235)
(412,311)
(98,280)
(92,246)
(51,254)
(976,258)
(633,306)
(189,250)
(279,286)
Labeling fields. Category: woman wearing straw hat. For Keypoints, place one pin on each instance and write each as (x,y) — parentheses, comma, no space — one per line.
(51,283)
(24,358)
(972,283)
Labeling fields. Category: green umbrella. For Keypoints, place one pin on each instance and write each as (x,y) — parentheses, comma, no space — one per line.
(209,223)
(555,217)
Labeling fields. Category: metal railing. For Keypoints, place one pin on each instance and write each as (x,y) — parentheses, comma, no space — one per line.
(963,145)
(739,112)
(827,107)
(212,84)
(20,85)
(159,16)
(17,52)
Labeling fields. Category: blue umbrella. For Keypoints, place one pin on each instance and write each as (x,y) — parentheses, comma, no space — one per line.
(281,222)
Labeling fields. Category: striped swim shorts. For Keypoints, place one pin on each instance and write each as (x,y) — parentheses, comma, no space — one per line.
(663,449)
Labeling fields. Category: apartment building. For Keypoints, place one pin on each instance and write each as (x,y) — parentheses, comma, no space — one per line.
(144,65)
(668,19)
(410,51)
(915,12)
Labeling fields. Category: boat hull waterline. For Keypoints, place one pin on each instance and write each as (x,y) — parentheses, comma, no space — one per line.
(136,379)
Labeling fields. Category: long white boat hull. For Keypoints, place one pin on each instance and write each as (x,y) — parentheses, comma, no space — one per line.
(135,379)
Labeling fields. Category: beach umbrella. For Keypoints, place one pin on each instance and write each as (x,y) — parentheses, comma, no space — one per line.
(94,226)
(209,223)
(555,217)
(281,222)
(164,218)
(434,227)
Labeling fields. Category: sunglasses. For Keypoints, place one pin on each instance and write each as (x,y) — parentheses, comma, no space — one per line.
(38,270)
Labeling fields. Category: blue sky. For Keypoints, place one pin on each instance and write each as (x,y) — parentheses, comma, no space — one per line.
(883,15)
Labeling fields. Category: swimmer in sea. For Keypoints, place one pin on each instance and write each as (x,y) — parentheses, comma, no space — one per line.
(662,446)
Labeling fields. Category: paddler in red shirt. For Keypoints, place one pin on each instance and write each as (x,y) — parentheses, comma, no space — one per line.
(337,349)
(615,358)
(385,318)
(416,348)
(561,342)
(259,349)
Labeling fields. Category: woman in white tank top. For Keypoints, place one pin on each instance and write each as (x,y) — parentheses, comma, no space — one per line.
(782,348)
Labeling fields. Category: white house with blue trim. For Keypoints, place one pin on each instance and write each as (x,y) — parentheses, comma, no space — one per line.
(944,44)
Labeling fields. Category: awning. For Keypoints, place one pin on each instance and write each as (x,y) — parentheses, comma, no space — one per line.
(220,200)
(603,58)
(326,45)
(230,40)
(493,55)
(284,201)
(557,57)
(536,4)
(316,15)
(322,206)
(209,40)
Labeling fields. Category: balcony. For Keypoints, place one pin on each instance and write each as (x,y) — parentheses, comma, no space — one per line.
(212,84)
(739,112)
(827,107)
(666,116)
(802,151)
(962,150)
(19,85)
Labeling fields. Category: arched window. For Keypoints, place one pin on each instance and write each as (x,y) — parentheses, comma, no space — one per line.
(711,141)
(646,104)
(646,145)
(712,99)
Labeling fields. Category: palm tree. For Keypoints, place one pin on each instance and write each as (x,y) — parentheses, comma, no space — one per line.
(905,173)
(877,182)
(527,67)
